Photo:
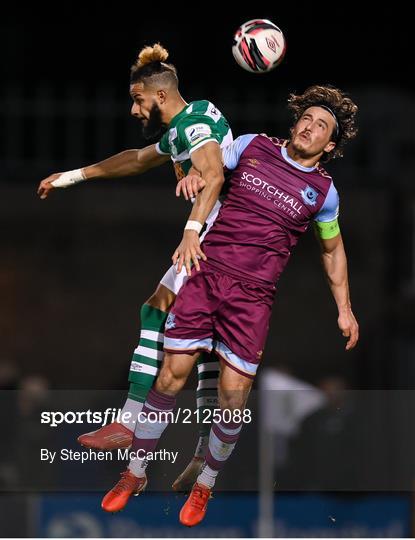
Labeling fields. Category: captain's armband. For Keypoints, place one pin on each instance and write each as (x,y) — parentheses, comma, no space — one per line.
(327,229)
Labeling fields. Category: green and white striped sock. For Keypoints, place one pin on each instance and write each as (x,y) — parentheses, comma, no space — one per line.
(206,397)
(146,360)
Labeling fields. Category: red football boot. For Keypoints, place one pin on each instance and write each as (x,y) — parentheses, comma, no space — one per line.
(195,507)
(110,437)
(117,498)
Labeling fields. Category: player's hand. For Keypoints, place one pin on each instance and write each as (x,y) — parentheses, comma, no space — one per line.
(349,327)
(188,252)
(45,185)
(190,186)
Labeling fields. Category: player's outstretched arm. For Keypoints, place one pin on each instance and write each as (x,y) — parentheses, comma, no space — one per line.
(127,163)
(335,266)
(207,160)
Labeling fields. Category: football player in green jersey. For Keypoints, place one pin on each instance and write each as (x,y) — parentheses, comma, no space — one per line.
(193,136)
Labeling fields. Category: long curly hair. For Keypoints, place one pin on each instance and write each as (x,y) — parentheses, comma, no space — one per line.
(336,100)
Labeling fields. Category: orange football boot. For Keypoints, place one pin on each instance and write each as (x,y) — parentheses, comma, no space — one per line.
(195,507)
(116,499)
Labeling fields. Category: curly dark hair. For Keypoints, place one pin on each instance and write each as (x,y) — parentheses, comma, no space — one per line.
(336,100)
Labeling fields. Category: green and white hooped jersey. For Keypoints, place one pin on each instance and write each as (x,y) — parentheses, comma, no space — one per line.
(195,125)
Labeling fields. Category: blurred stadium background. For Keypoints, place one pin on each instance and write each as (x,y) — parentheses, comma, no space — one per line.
(76,268)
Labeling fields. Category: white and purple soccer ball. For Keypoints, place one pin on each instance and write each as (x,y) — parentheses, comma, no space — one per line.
(259,46)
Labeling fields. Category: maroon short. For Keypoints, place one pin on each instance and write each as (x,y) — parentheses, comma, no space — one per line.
(215,310)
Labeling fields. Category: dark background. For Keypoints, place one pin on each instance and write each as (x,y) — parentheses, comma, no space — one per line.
(75,269)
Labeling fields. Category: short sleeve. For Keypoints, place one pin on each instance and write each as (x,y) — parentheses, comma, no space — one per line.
(196,130)
(163,147)
(330,208)
(232,153)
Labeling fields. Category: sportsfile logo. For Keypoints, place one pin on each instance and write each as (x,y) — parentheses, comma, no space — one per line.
(181,415)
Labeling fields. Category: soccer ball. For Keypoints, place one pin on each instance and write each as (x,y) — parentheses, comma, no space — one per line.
(259,46)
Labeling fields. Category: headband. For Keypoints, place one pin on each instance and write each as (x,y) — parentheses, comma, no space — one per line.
(323,106)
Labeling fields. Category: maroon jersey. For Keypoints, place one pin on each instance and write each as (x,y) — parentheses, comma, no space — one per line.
(270,203)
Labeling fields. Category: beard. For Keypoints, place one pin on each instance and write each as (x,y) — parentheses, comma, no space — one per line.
(300,149)
(154,127)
